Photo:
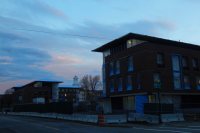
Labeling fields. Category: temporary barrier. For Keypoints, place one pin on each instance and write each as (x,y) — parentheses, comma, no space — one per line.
(172,117)
(115,119)
(154,118)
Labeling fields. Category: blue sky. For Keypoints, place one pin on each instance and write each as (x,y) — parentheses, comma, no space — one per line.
(35,42)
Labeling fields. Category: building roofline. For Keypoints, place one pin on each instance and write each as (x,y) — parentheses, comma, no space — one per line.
(41,81)
(70,87)
(152,39)
(16,88)
(47,81)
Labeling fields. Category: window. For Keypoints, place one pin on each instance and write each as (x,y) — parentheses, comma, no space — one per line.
(186,82)
(129,83)
(195,64)
(160,59)
(130,64)
(38,84)
(138,81)
(185,62)
(198,83)
(129,43)
(175,63)
(120,84)
(118,49)
(112,85)
(177,80)
(176,72)
(117,67)
(106,53)
(111,68)
(20,98)
(132,42)
(157,81)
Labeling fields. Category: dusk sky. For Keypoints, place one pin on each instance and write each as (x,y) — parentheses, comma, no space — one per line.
(44,39)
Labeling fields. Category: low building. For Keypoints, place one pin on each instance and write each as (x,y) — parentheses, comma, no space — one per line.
(37,92)
(6,102)
(73,94)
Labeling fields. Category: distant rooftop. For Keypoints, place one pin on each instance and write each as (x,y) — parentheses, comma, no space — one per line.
(43,81)
(68,86)
(16,88)
(47,81)
(152,39)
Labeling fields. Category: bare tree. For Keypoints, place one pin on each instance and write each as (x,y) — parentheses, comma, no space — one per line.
(84,82)
(94,81)
(90,83)
(9,91)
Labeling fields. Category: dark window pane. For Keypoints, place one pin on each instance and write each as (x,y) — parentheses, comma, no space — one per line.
(111,68)
(112,85)
(157,80)
(120,84)
(177,80)
(185,62)
(175,63)
(186,82)
(198,83)
(160,59)
(130,64)
(195,63)
(117,67)
(129,83)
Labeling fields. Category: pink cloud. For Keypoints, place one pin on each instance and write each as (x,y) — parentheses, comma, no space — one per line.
(5,60)
(67,66)
(52,10)
(9,84)
(66,59)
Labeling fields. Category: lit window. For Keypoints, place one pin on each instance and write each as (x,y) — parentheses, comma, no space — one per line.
(112,85)
(198,83)
(117,67)
(129,43)
(186,82)
(38,84)
(132,42)
(130,63)
(157,81)
(111,68)
(120,84)
(129,83)
(160,59)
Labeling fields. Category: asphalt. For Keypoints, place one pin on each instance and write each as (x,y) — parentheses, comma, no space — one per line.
(20,124)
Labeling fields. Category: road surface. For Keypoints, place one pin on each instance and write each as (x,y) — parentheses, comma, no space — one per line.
(19,124)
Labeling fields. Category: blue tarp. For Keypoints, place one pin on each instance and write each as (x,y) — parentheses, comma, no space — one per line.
(139,103)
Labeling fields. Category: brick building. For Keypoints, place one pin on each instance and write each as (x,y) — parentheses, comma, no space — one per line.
(140,69)
(73,94)
(36,92)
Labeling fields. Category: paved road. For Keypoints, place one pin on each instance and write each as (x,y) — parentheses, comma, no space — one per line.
(19,124)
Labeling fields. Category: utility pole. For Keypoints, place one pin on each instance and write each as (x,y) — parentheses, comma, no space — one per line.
(158,87)
(159,106)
